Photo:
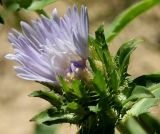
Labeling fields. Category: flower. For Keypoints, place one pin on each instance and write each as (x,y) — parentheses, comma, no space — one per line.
(51,47)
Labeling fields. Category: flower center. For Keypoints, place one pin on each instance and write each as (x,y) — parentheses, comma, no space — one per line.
(81,64)
(76,70)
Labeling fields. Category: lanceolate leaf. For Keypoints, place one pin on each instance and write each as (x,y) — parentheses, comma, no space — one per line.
(50,96)
(145,79)
(43,129)
(108,65)
(40,4)
(140,92)
(100,83)
(123,56)
(143,105)
(100,37)
(127,16)
(46,118)
(134,127)
(150,123)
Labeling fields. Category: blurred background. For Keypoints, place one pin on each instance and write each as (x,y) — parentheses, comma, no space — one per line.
(16,108)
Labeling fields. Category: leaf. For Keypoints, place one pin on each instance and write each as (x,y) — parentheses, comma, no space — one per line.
(74,107)
(8,3)
(127,16)
(145,79)
(49,96)
(24,3)
(57,118)
(51,87)
(134,127)
(143,105)
(151,124)
(92,64)
(76,87)
(139,92)
(38,5)
(100,37)
(94,109)
(123,56)
(44,115)
(100,83)
(64,84)
(43,129)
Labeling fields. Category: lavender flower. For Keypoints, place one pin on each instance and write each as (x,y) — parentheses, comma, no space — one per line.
(51,47)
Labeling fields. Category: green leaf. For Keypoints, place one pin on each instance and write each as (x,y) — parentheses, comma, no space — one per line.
(38,5)
(63,118)
(76,87)
(94,109)
(92,64)
(143,105)
(43,129)
(47,118)
(104,55)
(51,87)
(49,96)
(100,83)
(24,3)
(123,56)
(64,84)
(100,37)
(147,79)
(127,16)
(140,92)
(44,115)
(8,3)
(134,127)
(74,107)
(151,124)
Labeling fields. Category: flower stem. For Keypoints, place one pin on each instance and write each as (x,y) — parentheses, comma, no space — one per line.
(42,12)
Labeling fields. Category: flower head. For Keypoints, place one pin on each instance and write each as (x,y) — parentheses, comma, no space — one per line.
(51,47)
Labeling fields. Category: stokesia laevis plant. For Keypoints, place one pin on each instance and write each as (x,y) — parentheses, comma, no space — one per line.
(93,91)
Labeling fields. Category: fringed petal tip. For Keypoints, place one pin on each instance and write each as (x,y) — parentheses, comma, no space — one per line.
(63,37)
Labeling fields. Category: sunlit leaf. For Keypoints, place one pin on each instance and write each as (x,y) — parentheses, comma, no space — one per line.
(149,122)
(123,56)
(38,5)
(140,92)
(49,96)
(143,105)
(92,64)
(147,79)
(74,107)
(76,87)
(99,82)
(127,16)
(47,118)
(43,129)
(134,127)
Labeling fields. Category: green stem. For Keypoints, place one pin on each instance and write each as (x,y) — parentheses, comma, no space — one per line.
(42,12)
